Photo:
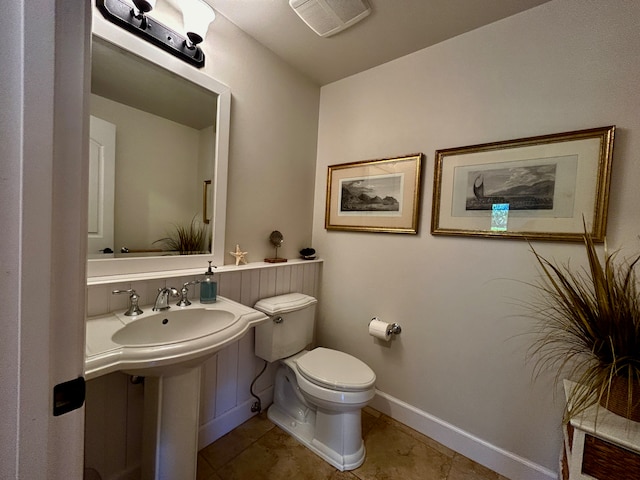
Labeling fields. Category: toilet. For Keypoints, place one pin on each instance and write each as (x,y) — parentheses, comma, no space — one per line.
(318,394)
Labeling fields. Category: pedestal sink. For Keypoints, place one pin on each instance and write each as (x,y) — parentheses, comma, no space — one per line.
(168,349)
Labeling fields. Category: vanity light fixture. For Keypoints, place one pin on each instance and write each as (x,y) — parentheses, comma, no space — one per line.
(132,15)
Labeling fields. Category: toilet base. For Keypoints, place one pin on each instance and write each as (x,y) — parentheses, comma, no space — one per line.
(353,451)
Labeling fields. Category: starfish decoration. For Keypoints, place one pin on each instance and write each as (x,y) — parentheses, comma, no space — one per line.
(240,256)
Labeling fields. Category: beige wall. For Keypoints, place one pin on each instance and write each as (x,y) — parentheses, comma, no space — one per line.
(566,65)
(274,125)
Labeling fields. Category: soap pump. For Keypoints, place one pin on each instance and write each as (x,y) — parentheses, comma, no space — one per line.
(208,287)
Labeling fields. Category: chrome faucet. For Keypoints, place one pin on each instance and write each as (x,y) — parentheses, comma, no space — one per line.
(162,300)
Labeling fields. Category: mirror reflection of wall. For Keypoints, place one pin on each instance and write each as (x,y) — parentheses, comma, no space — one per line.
(165,149)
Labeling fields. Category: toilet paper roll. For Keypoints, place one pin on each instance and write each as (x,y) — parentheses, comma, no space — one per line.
(379,329)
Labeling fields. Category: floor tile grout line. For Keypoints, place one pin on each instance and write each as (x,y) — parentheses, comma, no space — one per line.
(450,462)
(216,470)
(202,457)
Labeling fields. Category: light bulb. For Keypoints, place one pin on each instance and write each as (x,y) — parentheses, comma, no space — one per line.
(196,16)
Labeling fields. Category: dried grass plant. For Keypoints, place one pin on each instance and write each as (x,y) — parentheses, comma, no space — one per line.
(187,239)
(588,327)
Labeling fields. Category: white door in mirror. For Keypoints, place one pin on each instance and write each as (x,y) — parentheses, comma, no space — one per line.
(102,161)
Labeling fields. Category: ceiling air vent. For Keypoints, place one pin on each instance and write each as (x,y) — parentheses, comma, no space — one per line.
(328,17)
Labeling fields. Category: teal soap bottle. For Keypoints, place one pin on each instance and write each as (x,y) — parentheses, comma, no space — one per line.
(208,287)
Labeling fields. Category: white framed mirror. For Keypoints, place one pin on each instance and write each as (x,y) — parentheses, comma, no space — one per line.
(160,189)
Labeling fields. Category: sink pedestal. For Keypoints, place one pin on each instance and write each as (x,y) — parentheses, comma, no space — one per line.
(170,425)
(168,349)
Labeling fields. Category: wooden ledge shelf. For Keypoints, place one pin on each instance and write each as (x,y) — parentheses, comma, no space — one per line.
(136,277)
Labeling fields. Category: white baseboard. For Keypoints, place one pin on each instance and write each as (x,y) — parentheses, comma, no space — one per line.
(505,463)
(223,424)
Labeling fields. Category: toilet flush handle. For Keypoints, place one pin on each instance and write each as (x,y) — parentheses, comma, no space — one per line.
(278,320)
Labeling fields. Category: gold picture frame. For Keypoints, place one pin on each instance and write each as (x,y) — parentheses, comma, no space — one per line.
(375,195)
(541,187)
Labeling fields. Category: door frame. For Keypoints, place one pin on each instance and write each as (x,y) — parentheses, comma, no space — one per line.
(44,131)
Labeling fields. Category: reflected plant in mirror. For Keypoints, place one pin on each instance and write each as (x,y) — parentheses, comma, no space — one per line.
(191,239)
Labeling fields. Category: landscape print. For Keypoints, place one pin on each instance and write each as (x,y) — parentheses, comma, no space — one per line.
(523,188)
(374,194)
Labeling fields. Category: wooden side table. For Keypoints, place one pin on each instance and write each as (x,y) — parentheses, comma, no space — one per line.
(600,445)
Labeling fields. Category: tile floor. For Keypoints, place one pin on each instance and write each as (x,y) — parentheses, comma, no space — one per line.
(258,450)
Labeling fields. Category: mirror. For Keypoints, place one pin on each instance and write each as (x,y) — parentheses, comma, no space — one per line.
(164,129)
(165,180)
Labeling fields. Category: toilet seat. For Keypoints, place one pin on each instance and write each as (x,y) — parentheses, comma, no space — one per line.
(335,370)
(333,400)
(320,382)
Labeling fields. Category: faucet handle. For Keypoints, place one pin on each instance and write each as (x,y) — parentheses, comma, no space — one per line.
(184,301)
(133,309)
(117,292)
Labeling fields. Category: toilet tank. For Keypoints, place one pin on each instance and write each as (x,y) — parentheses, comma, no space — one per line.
(290,329)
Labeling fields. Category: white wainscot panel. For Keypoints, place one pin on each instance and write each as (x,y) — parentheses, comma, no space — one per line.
(113,433)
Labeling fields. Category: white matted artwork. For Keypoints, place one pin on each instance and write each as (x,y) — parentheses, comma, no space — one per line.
(545,187)
(375,195)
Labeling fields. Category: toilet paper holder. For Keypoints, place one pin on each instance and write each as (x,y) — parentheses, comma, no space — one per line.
(392,329)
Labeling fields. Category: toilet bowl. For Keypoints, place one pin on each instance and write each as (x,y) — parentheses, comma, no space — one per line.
(319,393)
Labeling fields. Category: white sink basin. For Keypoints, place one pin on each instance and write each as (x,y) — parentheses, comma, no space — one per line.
(162,343)
(173,326)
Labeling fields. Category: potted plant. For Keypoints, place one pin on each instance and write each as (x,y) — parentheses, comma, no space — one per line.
(187,240)
(588,329)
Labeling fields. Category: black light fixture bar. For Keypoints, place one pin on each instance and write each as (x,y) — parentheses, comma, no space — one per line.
(124,16)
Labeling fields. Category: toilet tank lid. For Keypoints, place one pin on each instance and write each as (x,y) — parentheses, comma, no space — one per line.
(280,304)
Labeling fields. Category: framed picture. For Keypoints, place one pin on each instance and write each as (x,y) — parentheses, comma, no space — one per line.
(375,195)
(545,187)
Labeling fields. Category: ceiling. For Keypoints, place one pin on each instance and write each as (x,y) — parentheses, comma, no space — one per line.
(393,29)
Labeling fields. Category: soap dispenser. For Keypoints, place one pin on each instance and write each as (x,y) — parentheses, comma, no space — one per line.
(208,287)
